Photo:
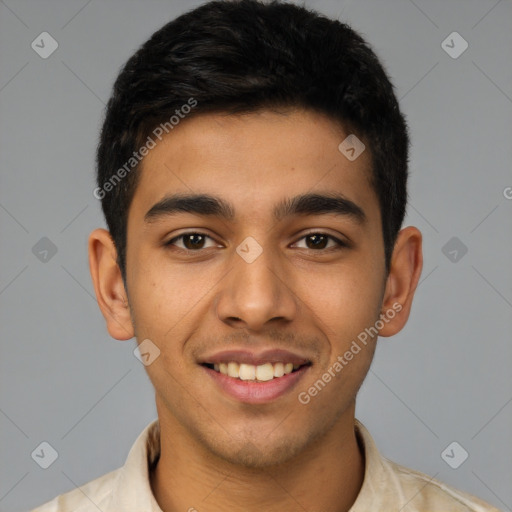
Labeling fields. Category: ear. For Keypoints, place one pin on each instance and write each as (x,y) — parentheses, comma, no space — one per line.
(108,285)
(404,274)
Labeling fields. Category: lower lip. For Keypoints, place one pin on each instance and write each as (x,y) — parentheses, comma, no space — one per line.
(255,392)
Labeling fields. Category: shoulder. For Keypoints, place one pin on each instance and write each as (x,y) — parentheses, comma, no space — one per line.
(125,488)
(390,486)
(423,492)
(86,498)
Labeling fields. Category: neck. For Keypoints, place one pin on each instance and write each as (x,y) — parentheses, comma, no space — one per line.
(327,475)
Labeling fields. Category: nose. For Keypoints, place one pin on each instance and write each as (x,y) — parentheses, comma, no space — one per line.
(254,294)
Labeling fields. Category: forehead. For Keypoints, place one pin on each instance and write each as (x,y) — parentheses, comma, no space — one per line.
(254,161)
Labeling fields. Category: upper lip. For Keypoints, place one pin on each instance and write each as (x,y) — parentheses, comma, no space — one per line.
(247,357)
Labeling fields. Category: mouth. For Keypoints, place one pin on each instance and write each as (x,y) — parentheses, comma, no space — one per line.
(255,373)
(255,377)
(258,383)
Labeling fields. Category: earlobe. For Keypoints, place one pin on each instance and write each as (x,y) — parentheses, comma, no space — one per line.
(405,270)
(108,285)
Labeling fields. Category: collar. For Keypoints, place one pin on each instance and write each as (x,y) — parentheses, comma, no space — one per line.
(132,487)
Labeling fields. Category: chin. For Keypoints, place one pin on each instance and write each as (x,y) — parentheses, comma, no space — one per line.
(259,451)
(252,457)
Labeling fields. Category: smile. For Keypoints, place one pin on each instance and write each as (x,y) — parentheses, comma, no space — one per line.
(255,384)
(250,372)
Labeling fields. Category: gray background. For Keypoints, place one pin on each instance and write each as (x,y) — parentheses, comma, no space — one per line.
(446,377)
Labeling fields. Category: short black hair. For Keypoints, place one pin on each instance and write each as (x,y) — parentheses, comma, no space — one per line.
(241,56)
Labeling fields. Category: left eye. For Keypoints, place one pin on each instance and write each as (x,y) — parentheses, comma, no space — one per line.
(194,241)
(320,239)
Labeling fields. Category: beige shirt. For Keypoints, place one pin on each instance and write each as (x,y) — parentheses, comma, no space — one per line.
(387,486)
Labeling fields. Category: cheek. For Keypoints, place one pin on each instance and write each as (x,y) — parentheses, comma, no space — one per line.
(346,299)
(161,291)
(346,305)
(169,303)
(155,307)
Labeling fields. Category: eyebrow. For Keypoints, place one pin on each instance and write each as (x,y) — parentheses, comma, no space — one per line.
(303,204)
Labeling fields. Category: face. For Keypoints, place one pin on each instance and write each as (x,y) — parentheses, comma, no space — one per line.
(262,286)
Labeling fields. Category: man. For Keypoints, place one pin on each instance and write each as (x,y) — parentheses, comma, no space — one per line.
(252,169)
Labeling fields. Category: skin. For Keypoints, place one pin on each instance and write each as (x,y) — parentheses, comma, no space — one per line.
(281,455)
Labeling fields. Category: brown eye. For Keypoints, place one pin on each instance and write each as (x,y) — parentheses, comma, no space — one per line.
(319,241)
(195,242)
(191,241)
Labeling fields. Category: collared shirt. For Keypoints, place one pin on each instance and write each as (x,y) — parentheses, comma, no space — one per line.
(387,486)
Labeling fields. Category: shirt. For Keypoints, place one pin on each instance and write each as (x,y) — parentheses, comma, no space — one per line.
(387,486)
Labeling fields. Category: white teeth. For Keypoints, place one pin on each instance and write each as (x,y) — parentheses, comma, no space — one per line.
(263,372)
(233,369)
(278,370)
(247,371)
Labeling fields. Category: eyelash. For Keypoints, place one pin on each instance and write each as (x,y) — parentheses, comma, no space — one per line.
(341,245)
